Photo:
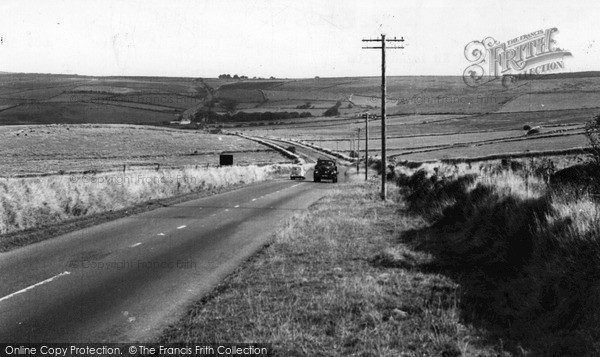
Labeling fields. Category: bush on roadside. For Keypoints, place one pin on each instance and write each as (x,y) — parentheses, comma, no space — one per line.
(592,132)
(527,258)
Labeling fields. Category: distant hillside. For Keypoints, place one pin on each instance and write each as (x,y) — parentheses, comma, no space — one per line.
(587,74)
(35,98)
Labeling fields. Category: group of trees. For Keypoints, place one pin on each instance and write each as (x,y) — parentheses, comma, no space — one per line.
(228,76)
(213,117)
(235,76)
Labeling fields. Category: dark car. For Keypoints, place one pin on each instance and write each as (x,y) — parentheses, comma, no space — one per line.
(325,169)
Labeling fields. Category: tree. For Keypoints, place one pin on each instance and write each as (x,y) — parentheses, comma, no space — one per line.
(592,132)
(333,111)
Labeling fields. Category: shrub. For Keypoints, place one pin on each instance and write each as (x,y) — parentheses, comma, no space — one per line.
(592,132)
(523,260)
(526,127)
(306,105)
(333,111)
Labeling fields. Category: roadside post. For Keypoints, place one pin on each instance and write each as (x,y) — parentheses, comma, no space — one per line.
(358,153)
(366,146)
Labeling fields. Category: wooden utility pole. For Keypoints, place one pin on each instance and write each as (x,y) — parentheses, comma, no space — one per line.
(366,146)
(383,41)
(358,153)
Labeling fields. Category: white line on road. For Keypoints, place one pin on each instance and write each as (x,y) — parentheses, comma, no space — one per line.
(135,245)
(226,210)
(34,285)
(254,199)
(236,206)
(181,227)
(160,234)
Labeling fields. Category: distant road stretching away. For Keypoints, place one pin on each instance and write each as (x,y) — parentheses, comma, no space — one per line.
(126,280)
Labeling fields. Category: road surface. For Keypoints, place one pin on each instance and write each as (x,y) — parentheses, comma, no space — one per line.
(308,154)
(124,281)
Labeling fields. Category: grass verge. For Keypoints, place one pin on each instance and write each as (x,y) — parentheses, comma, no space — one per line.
(39,208)
(337,281)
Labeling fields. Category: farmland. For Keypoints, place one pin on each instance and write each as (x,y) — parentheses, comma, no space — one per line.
(433,118)
(40,149)
(429,117)
(53,99)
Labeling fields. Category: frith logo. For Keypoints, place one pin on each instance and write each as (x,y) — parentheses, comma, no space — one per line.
(531,54)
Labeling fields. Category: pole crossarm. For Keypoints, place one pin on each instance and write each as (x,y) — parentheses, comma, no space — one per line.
(387,47)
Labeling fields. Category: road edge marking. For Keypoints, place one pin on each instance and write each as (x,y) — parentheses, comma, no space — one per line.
(34,285)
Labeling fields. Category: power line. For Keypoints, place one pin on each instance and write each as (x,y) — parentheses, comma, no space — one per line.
(383,47)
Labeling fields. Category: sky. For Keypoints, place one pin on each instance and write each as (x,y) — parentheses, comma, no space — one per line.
(285,39)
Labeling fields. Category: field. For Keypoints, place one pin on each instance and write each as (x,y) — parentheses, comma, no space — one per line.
(432,118)
(429,118)
(52,99)
(29,149)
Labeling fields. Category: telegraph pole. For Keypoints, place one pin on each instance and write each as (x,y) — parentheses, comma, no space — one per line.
(358,153)
(366,146)
(383,41)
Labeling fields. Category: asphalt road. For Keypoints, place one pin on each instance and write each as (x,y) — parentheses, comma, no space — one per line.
(308,154)
(124,281)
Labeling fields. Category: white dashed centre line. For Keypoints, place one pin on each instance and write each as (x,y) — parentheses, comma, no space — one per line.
(135,245)
(236,206)
(254,199)
(160,234)
(181,227)
(34,285)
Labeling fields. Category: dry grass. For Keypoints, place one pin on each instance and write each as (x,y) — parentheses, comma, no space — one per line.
(526,253)
(34,202)
(336,282)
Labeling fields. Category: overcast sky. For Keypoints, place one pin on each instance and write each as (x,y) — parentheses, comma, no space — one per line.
(277,38)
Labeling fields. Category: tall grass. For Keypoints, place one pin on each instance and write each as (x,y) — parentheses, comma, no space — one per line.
(527,253)
(33,202)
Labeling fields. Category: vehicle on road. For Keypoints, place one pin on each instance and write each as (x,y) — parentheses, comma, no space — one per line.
(325,169)
(298,172)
